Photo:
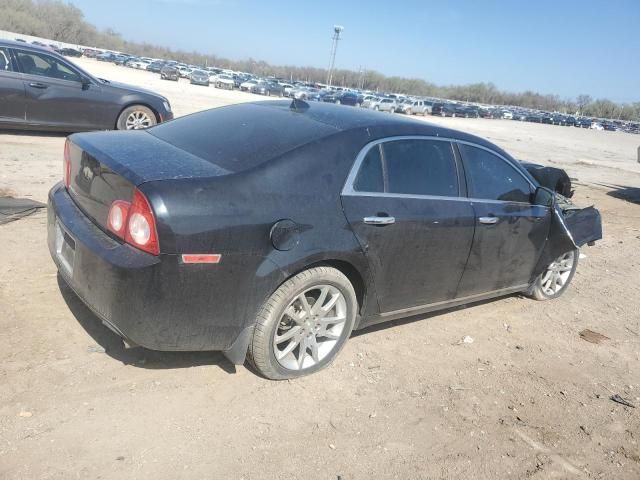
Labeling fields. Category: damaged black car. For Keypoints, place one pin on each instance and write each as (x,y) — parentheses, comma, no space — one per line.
(273,230)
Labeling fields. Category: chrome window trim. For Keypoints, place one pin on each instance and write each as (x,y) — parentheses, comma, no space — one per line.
(348,190)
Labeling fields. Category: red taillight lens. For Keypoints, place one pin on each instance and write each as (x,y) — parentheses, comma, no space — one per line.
(134,223)
(141,225)
(67,165)
(118,216)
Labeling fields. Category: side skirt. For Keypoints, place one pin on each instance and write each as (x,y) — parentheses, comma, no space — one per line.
(432,307)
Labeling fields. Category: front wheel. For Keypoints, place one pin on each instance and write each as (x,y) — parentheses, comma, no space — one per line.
(556,277)
(304,324)
(136,117)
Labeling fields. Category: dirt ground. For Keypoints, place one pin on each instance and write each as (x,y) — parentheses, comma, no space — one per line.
(529,398)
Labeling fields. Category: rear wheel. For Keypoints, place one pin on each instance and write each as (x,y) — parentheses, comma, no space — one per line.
(556,277)
(136,117)
(304,324)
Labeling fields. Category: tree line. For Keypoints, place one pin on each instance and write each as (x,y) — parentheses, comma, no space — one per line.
(64,22)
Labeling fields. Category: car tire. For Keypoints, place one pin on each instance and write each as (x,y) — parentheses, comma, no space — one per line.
(136,117)
(322,340)
(555,279)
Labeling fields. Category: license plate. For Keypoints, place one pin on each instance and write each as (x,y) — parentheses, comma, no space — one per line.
(65,249)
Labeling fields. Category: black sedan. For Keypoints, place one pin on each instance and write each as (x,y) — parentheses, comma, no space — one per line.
(219,231)
(341,97)
(41,90)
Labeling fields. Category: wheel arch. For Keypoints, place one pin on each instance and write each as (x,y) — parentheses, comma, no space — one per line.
(143,104)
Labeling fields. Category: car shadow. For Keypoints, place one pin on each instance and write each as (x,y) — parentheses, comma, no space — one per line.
(33,133)
(630,194)
(137,356)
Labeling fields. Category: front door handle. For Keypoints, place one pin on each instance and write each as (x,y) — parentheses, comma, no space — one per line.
(488,220)
(379,220)
(38,85)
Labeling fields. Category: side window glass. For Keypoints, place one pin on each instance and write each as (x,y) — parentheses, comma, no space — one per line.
(370,177)
(34,63)
(491,178)
(420,167)
(5,62)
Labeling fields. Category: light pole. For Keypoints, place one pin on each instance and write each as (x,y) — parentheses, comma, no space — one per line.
(337,30)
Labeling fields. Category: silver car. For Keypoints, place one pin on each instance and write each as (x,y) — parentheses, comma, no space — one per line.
(421,107)
(385,105)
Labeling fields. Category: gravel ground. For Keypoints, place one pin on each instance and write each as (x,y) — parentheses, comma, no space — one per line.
(529,398)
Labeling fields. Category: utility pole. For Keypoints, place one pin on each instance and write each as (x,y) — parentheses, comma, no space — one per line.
(337,30)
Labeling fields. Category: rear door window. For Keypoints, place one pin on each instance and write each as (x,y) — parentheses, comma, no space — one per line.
(420,167)
(490,177)
(409,167)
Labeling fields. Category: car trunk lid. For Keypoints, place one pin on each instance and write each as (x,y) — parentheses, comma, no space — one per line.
(104,170)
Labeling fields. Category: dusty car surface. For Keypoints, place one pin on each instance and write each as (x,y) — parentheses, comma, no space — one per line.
(276,229)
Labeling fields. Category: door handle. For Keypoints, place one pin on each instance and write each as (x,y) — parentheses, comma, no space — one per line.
(379,220)
(38,85)
(488,220)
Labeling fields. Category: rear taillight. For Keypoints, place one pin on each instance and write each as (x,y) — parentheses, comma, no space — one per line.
(67,165)
(134,223)
(118,216)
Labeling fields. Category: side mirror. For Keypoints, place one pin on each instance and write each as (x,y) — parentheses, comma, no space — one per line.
(85,83)
(544,197)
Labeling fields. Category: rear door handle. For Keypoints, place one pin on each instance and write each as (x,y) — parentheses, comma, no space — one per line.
(488,220)
(379,220)
(38,85)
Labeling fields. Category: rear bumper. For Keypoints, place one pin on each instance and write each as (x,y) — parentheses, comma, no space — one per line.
(155,302)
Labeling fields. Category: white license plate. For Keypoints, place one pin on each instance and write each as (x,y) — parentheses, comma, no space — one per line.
(65,249)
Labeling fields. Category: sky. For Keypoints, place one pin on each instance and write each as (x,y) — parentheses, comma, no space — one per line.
(562,47)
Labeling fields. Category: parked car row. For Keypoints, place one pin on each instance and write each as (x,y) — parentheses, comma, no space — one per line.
(391,103)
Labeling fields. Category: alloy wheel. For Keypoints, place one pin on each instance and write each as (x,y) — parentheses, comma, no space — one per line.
(557,274)
(310,327)
(137,120)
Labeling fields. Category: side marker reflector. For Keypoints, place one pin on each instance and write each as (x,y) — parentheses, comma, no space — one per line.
(195,258)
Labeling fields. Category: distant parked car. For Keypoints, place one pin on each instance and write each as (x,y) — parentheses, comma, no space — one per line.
(466,111)
(156,66)
(199,77)
(246,86)
(267,88)
(223,81)
(106,57)
(385,105)
(342,97)
(70,52)
(443,109)
(307,94)
(507,115)
(583,122)
(45,91)
(169,72)
(420,107)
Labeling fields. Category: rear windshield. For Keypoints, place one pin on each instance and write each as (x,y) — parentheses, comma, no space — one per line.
(240,137)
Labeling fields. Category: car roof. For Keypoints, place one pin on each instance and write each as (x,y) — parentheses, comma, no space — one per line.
(219,135)
(26,46)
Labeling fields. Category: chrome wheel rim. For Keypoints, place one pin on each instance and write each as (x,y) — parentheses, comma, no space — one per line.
(555,278)
(310,327)
(137,120)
